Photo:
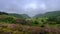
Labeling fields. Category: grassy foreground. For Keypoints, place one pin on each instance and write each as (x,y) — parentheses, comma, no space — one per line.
(23,29)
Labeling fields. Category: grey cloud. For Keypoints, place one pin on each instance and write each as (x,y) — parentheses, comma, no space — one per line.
(18,6)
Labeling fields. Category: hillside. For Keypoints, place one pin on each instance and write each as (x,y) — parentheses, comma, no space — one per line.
(24,16)
(48,14)
(19,15)
(11,23)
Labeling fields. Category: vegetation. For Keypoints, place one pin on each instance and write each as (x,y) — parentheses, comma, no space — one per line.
(3,13)
(48,14)
(48,23)
(23,16)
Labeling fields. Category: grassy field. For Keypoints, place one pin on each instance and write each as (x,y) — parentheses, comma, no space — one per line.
(24,29)
(14,25)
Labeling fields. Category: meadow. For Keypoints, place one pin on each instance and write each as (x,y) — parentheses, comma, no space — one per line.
(13,25)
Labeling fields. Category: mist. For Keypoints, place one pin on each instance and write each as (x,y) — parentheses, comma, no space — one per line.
(30,7)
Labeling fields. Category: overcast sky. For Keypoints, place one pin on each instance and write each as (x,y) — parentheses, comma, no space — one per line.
(30,7)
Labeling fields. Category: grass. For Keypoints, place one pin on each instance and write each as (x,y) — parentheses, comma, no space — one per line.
(24,29)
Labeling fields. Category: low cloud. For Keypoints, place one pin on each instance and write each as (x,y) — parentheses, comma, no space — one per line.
(30,7)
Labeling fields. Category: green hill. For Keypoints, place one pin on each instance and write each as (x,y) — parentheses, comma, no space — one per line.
(48,14)
(19,15)
(24,16)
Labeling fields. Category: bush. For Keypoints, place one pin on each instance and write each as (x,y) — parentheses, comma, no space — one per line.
(10,20)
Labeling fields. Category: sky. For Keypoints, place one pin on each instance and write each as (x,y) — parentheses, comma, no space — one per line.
(30,7)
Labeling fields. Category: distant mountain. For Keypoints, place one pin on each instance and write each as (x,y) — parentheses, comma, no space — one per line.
(19,15)
(15,15)
(3,13)
(48,14)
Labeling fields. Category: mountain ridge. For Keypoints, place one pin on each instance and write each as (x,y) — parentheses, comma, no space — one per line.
(48,14)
